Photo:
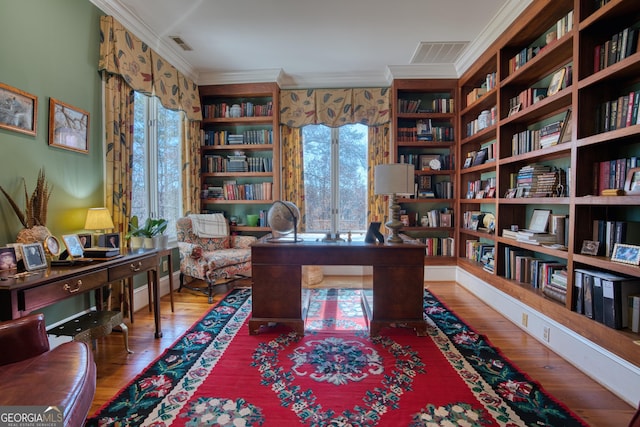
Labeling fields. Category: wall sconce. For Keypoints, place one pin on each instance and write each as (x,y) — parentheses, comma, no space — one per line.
(392,179)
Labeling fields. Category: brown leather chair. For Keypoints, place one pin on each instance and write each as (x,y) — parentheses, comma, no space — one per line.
(33,375)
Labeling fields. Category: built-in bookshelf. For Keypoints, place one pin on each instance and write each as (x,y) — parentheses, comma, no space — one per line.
(556,146)
(240,152)
(424,134)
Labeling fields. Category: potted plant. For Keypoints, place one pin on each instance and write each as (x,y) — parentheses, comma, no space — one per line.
(152,232)
(135,234)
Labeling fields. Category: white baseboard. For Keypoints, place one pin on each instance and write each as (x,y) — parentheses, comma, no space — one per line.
(612,372)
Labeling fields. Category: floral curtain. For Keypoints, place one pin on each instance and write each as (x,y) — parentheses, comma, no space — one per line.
(292,169)
(191,142)
(139,68)
(333,108)
(118,111)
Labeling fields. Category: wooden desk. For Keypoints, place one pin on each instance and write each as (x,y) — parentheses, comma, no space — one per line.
(21,296)
(398,282)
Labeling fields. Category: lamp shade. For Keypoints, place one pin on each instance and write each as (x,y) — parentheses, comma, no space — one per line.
(98,219)
(394,178)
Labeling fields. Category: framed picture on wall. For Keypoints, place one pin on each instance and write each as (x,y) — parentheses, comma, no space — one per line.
(68,127)
(18,110)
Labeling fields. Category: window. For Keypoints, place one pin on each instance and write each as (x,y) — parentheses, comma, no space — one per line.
(156,168)
(335,178)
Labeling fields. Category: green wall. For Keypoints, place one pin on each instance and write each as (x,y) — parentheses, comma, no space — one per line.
(50,49)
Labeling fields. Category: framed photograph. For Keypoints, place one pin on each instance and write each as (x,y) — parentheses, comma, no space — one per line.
(18,110)
(491,192)
(627,254)
(467,162)
(85,240)
(8,260)
(109,240)
(632,183)
(68,127)
(33,256)
(590,247)
(74,247)
(515,109)
(52,245)
(556,82)
(539,220)
(425,159)
(480,158)
(510,194)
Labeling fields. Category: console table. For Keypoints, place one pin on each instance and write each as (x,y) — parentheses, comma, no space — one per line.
(398,282)
(23,295)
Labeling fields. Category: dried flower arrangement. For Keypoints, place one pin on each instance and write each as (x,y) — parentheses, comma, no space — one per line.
(34,216)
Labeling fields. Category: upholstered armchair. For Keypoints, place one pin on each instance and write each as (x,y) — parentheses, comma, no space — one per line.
(210,254)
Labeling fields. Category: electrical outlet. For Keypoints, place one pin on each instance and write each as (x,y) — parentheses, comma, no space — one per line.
(546,333)
(165,266)
(525,320)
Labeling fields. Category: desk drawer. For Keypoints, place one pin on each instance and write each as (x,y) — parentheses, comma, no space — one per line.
(41,296)
(132,267)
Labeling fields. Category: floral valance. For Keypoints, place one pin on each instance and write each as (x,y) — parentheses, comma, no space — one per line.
(144,70)
(335,107)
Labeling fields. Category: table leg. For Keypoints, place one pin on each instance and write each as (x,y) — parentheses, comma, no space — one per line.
(156,302)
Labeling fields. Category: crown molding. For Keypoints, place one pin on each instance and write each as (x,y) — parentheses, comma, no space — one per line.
(423,71)
(254,76)
(160,45)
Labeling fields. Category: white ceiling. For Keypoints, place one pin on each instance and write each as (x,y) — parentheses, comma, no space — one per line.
(317,43)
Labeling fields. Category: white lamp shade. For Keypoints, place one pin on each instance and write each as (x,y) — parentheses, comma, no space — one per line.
(98,219)
(394,178)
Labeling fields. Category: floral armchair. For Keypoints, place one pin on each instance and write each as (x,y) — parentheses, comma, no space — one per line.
(212,259)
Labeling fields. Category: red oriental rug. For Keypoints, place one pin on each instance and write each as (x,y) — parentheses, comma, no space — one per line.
(336,375)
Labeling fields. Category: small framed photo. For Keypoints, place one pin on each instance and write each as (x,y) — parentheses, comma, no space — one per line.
(632,183)
(491,192)
(68,127)
(8,260)
(556,82)
(425,160)
(515,109)
(510,194)
(474,225)
(480,158)
(590,247)
(467,162)
(627,254)
(85,240)
(33,256)
(18,110)
(109,240)
(74,247)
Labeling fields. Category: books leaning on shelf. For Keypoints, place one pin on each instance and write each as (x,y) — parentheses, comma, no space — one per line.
(604,297)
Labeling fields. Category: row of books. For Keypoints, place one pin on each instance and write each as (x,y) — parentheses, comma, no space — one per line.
(437,105)
(612,173)
(446,160)
(436,133)
(439,190)
(217,163)
(548,135)
(247,109)
(481,188)
(607,233)
(478,251)
(562,26)
(618,47)
(224,137)
(230,190)
(523,266)
(527,98)
(604,297)
(438,246)
(618,113)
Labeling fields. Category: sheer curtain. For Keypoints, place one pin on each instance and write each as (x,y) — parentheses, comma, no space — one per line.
(333,108)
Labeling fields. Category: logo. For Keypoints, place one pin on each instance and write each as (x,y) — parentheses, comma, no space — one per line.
(31,416)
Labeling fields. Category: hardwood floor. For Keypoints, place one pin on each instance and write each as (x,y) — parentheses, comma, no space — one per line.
(596,405)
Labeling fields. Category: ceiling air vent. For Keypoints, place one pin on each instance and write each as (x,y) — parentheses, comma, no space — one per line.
(438,53)
(178,40)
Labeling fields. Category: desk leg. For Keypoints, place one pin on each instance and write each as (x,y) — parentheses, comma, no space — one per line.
(156,302)
(170,264)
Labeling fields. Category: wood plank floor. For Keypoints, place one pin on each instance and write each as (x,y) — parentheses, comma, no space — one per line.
(596,405)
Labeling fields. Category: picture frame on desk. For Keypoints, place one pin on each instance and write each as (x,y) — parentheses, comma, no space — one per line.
(68,127)
(85,240)
(626,254)
(74,246)
(8,260)
(109,240)
(33,256)
(632,183)
(21,110)
(590,247)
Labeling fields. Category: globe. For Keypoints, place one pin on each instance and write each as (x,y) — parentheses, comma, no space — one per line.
(283,217)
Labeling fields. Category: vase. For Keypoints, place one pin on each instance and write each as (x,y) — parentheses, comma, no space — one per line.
(135,243)
(160,242)
(34,234)
(148,243)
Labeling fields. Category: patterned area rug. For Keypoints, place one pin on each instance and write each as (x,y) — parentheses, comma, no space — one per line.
(336,375)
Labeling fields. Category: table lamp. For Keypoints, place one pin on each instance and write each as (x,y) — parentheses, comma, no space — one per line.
(98,220)
(392,179)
